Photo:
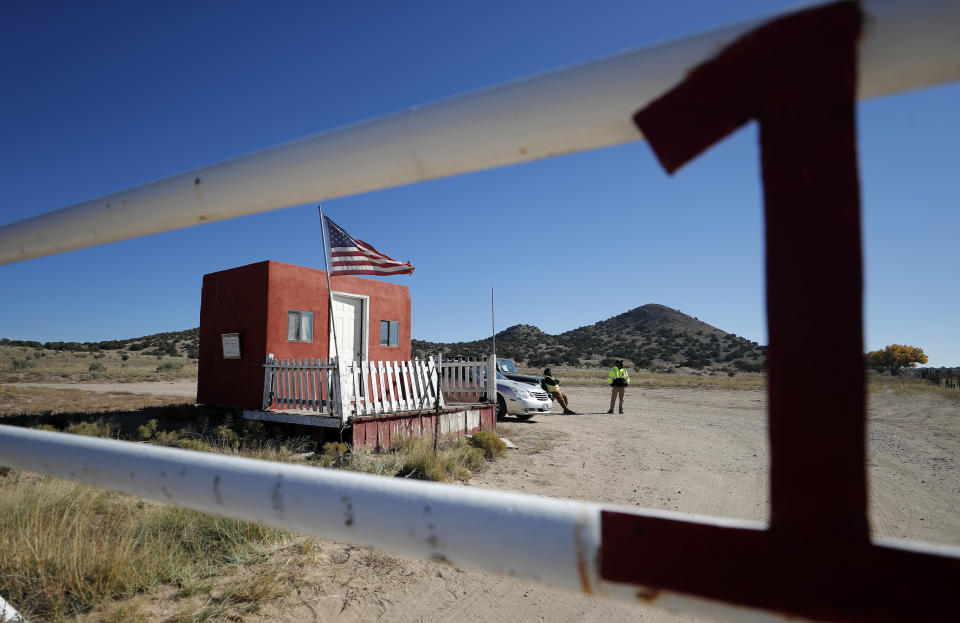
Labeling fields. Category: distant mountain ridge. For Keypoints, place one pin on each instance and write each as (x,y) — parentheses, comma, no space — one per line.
(650,336)
(172,343)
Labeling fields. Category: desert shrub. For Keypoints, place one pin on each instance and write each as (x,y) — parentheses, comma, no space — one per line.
(491,445)
(252,432)
(170,366)
(746,366)
(422,463)
(21,364)
(148,430)
(227,436)
(335,449)
(26,343)
(124,357)
(333,454)
(659,365)
(167,437)
(194,444)
(97,366)
(455,458)
(90,429)
(537,361)
(68,547)
(468,459)
(361,459)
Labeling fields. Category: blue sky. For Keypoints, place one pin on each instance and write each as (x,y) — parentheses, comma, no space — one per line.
(98,97)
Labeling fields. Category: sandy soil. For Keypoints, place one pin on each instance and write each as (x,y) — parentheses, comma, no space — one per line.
(160,388)
(689,450)
(699,451)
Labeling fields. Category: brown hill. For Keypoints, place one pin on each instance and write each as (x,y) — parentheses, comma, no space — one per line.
(650,336)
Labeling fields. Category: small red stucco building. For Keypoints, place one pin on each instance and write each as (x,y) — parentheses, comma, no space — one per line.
(271,307)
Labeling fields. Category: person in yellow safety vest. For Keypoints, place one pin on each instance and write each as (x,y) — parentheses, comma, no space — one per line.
(619,379)
(552,387)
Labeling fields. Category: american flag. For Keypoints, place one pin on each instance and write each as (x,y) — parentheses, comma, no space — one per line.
(349,256)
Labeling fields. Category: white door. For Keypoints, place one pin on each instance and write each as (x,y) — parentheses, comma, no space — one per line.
(348,323)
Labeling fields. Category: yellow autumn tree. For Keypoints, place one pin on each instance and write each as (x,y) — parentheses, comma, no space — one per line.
(895,358)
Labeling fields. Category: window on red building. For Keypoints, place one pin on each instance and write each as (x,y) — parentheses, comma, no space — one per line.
(299,326)
(389,333)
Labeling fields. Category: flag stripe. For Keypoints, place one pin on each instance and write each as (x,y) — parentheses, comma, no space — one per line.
(368,263)
(349,256)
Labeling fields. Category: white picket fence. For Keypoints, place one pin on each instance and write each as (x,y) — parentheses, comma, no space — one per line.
(466,380)
(311,384)
(380,387)
(373,387)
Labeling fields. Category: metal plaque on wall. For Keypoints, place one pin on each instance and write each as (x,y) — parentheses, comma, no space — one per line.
(231,345)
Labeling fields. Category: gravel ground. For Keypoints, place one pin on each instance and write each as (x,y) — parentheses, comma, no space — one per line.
(698,451)
(688,450)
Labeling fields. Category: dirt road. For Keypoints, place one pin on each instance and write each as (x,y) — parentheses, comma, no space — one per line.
(688,450)
(160,388)
(699,451)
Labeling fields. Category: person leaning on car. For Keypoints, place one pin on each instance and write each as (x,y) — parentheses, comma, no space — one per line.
(618,380)
(552,387)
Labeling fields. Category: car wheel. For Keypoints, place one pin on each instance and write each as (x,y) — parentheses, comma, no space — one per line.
(501,407)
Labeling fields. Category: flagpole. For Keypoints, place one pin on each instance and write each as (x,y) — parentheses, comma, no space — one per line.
(326,265)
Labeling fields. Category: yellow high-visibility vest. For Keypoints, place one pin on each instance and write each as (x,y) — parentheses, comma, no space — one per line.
(619,373)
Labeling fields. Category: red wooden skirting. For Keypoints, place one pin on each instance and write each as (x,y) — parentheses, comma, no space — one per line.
(377,432)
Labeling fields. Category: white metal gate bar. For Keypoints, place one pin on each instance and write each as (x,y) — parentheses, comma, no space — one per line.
(550,540)
(9,614)
(910,44)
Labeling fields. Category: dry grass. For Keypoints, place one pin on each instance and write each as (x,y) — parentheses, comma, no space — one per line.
(492,446)
(641,378)
(67,547)
(414,458)
(22,364)
(910,385)
(570,376)
(74,552)
(36,400)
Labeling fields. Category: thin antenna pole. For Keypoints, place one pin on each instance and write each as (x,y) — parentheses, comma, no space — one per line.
(436,414)
(326,265)
(493,325)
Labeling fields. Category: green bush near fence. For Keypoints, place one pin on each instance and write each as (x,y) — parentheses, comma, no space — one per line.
(493,447)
